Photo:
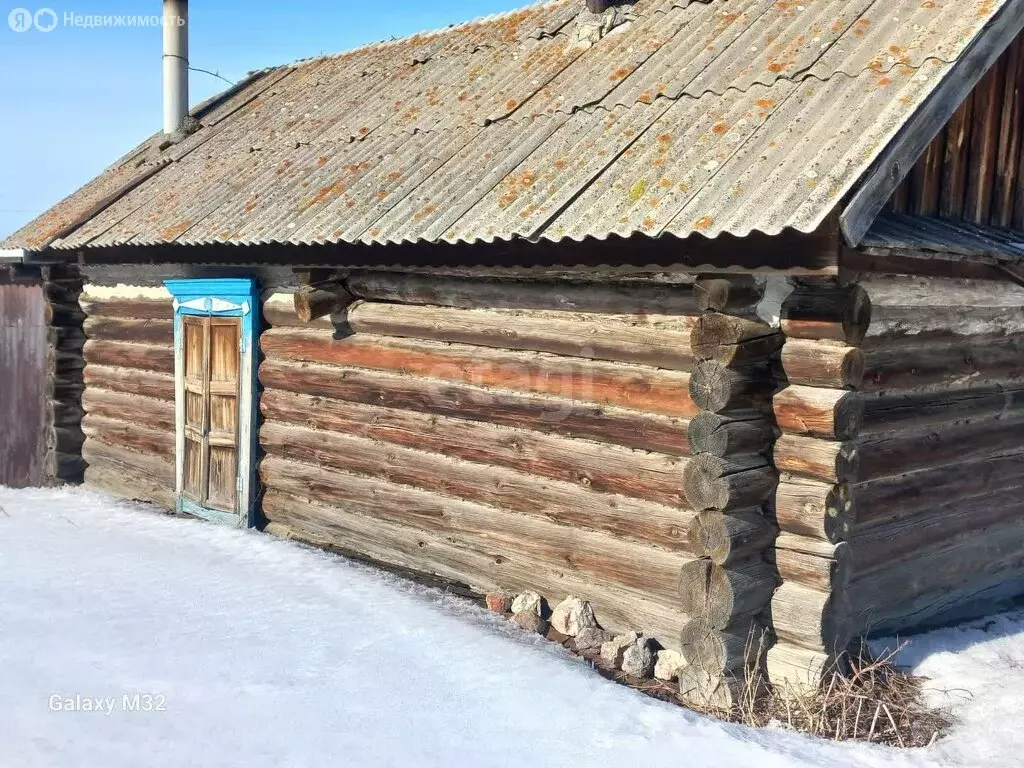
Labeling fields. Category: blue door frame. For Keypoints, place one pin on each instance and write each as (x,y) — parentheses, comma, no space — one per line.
(228,297)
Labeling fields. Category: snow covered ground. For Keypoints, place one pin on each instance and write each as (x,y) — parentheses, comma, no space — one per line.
(265,653)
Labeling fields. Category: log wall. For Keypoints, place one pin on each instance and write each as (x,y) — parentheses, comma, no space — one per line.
(63,436)
(517,435)
(901,460)
(128,396)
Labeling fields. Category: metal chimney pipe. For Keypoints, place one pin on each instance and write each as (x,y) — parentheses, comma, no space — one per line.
(175,64)
(599,6)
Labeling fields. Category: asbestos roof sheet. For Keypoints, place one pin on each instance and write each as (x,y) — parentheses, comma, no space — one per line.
(664,116)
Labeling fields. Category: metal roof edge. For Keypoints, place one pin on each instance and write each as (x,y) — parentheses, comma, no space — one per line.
(897,159)
(12,255)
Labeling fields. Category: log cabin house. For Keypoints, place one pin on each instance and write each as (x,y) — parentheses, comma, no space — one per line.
(706,312)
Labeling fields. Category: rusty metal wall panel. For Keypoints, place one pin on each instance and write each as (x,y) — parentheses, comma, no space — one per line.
(22,384)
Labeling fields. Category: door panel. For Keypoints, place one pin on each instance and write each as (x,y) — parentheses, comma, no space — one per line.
(193,469)
(223,477)
(194,330)
(212,362)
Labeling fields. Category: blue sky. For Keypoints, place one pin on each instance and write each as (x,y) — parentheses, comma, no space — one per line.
(74,100)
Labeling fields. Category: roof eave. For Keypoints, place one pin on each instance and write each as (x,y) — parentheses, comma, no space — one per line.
(916,134)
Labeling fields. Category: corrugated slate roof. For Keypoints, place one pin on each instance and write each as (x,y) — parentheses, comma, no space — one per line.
(686,116)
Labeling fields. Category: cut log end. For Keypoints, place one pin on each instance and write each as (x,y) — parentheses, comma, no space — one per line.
(717,294)
(313,302)
(717,652)
(831,413)
(717,388)
(815,509)
(711,483)
(818,311)
(731,339)
(719,594)
(729,538)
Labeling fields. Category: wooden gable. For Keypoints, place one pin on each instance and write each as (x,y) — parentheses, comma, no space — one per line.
(974,169)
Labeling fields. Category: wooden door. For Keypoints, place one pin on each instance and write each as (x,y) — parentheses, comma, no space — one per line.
(212,357)
(22,385)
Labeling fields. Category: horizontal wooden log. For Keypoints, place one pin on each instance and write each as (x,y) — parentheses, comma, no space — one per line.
(150,412)
(618,384)
(129,474)
(898,411)
(911,326)
(879,546)
(64,388)
(892,498)
(481,563)
(471,293)
(663,342)
(814,509)
(717,388)
(813,563)
(943,365)
(827,460)
(67,440)
(553,415)
(134,437)
(729,538)
(315,301)
(912,308)
(827,311)
(508,489)
(66,294)
(720,594)
(62,414)
(723,436)
(597,466)
(823,364)
(597,553)
(740,482)
(915,590)
(69,339)
(795,671)
(138,309)
(158,332)
(812,619)
(725,294)
(937,446)
(64,467)
(817,412)
(733,340)
(145,357)
(129,381)
(719,651)
(63,363)
(63,315)
(115,479)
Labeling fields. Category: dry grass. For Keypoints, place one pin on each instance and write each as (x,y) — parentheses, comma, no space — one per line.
(863,698)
